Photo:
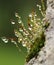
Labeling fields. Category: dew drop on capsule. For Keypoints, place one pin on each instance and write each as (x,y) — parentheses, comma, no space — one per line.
(4,39)
(24,45)
(30,15)
(16,15)
(12,22)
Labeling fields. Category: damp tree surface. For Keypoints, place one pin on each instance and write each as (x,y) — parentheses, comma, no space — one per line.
(32,37)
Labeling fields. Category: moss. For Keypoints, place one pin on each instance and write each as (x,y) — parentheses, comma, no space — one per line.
(38,44)
(46,25)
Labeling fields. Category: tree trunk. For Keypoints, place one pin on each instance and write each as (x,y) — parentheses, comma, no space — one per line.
(46,55)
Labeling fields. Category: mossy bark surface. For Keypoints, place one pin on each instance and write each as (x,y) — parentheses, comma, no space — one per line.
(46,55)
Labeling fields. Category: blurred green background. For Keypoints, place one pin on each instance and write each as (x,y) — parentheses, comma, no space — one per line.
(9,54)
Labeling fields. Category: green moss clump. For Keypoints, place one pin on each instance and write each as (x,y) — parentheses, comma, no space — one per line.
(46,25)
(36,47)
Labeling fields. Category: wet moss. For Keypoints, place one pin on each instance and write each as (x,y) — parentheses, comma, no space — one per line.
(38,44)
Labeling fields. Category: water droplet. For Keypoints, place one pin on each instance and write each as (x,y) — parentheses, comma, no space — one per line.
(31,25)
(40,9)
(24,45)
(20,39)
(12,22)
(20,30)
(4,39)
(30,15)
(20,21)
(16,34)
(37,5)
(35,14)
(16,15)
(31,20)
(30,28)
(12,40)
